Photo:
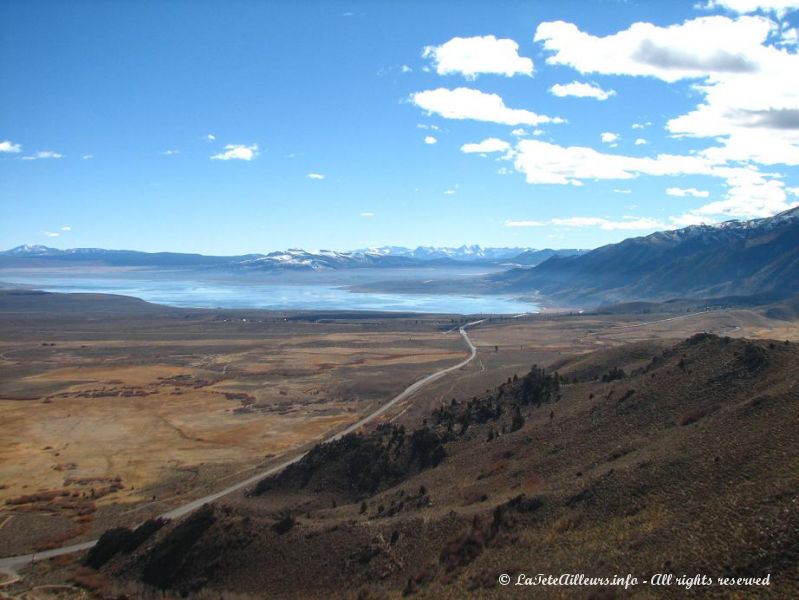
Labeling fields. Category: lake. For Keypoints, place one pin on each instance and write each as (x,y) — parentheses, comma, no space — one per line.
(275,293)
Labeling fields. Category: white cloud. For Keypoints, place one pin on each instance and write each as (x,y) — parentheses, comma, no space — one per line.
(486,146)
(543,162)
(689,219)
(478,55)
(43,155)
(66,228)
(468,103)
(609,137)
(625,223)
(683,192)
(640,142)
(622,191)
(780,7)
(512,223)
(519,132)
(579,89)
(367,215)
(210,137)
(750,193)
(640,125)
(749,100)
(317,176)
(450,192)
(695,48)
(237,152)
(429,140)
(10,147)
(52,234)
(87,156)
(428,126)
(405,69)
(171,152)
(789,36)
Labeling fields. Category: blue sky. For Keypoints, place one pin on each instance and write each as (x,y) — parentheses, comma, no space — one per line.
(233,127)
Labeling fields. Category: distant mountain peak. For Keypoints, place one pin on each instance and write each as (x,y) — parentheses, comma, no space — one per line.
(32,249)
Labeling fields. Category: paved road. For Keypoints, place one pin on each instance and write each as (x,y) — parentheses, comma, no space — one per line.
(8,564)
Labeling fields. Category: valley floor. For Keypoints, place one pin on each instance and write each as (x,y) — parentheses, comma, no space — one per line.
(108,422)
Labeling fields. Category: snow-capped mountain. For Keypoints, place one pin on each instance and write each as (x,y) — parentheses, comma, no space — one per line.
(759,256)
(32,250)
(295,259)
(462,253)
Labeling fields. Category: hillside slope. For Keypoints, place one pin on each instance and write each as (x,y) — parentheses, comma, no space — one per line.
(735,257)
(679,461)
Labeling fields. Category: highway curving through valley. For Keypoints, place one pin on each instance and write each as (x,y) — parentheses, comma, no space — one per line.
(10,563)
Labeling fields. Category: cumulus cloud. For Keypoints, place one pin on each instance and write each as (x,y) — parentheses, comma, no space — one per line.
(429,140)
(478,55)
(640,142)
(467,103)
(66,228)
(52,234)
(486,146)
(367,214)
(780,7)
(44,154)
(87,156)
(542,162)
(237,152)
(683,192)
(750,193)
(317,176)
(608,137)
(210,137)
(579,89)
(749,101)
(695,48)
(10,147)
(519,132)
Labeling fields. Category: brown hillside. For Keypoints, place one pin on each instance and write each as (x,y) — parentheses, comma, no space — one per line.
(684,460)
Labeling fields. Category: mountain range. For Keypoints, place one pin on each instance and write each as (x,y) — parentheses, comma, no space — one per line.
(741,258)
(291,259)
(756,257)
